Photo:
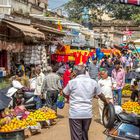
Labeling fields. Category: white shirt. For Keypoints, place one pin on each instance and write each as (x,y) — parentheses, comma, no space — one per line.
(33,83)
(39,84)
(81,90)
(106,87)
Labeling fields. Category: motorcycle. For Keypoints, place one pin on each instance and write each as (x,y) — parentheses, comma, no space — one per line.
(20,95)
(120,125)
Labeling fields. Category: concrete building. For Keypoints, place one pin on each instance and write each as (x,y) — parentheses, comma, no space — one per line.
(23,6)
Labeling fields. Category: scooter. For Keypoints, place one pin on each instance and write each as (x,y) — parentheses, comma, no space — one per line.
(120,126)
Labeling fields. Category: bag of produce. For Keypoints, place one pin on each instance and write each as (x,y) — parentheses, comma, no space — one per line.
(60,102)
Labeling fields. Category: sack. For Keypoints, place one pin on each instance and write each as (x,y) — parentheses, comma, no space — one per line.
(60,102)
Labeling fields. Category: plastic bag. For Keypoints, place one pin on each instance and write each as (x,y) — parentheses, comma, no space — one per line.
(60,102)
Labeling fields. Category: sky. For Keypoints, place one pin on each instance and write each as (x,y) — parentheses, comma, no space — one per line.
(56,3)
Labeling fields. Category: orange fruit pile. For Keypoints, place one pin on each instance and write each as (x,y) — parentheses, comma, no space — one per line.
(131,107)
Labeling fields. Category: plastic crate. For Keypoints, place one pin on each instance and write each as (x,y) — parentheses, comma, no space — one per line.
(15,135)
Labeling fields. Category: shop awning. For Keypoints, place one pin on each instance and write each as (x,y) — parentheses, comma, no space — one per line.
(49,30)
(28,31)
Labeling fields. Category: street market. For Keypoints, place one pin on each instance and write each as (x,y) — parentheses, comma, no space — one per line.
(61,78)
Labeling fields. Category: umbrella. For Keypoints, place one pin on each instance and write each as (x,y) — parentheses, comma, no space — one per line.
(137,42)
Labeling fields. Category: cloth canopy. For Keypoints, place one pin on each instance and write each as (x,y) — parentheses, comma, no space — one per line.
(27,31)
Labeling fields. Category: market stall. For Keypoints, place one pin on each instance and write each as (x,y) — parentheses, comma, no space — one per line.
(20,119)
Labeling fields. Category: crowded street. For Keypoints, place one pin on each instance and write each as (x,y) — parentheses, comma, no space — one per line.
(69,70)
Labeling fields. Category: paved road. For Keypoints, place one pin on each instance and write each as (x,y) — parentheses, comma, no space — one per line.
(60,131)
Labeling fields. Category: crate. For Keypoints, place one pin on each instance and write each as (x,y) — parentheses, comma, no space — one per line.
(27,133)
(45,124)
(14,135)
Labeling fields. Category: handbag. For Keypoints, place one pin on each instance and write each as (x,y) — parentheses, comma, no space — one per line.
(60,102)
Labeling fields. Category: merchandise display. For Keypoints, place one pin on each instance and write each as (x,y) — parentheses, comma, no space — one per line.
(131,107)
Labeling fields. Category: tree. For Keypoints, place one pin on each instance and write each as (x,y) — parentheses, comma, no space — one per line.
(136,18)
(116,10)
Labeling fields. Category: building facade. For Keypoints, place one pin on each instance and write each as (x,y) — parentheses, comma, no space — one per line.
(23,6)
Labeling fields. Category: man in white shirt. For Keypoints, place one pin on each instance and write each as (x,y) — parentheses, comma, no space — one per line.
(38,87)
(81,90)
(106,88)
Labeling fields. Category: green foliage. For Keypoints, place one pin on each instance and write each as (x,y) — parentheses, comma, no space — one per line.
(136,18)
(116,10)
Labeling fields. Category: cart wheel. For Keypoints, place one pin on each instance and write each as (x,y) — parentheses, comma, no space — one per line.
(108,116)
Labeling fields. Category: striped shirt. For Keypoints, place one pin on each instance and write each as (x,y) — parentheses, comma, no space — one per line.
(52,82)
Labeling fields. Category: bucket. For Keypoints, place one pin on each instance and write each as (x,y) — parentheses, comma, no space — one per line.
(15,135)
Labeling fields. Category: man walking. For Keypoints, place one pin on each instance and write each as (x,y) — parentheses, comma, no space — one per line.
(106,88)
(38,87)
(118,79)
(81,90)
(51,87)
(93,69)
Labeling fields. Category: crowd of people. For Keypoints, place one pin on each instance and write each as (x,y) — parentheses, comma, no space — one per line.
(103,79)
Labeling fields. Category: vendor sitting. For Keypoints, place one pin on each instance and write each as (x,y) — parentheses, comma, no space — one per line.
(135,87)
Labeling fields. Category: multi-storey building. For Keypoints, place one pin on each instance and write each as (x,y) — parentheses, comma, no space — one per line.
(23,6)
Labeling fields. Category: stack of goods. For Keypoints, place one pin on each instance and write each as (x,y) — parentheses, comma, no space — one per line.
(8,125)
(126,90)
(131,107)
(42,114)
(18,118)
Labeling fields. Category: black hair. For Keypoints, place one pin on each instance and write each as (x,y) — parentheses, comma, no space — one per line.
(22,61)
(117,62)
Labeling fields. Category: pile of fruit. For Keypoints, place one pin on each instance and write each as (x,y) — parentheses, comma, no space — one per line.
(8,125)
(42,115)
(126,90)
(131,107)
(14,124)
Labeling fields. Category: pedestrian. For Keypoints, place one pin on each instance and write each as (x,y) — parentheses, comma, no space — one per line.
(52,87)
(81,90)
(118,79)
(93,69)
(38,88)
(66,79)
(106,88)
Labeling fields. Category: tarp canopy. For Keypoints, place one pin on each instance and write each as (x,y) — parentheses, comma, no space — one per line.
(27,31)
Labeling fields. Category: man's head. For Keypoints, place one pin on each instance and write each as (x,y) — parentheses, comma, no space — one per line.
(117,65)
(38,69)
(80,69)
(49,69)
(103,73)
(94,60)
(22,62)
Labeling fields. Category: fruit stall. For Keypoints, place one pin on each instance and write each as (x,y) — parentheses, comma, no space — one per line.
(131,107)
(19,120)
(126,92)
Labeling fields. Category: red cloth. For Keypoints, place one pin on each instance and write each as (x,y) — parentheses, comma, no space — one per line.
(84,58)
(77,56)
(66,77)
(59,59)
(66,58)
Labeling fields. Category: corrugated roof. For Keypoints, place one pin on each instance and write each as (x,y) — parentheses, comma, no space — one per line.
(26,30)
